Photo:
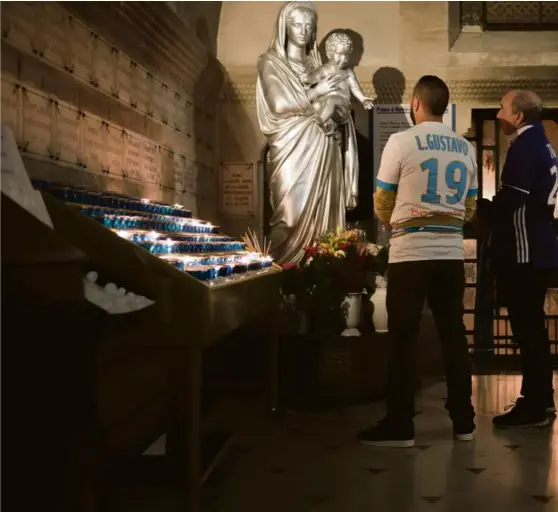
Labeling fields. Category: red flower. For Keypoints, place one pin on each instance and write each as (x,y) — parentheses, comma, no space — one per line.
(311,251)
(344,246)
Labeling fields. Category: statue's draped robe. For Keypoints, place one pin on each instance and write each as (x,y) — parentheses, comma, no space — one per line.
(310,182)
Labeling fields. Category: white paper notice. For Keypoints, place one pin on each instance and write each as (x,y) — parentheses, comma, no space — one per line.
(15,181)
(390,119)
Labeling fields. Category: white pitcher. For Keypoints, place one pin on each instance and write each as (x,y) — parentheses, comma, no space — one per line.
(352,307)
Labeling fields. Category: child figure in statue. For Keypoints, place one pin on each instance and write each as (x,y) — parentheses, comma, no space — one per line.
(336,106)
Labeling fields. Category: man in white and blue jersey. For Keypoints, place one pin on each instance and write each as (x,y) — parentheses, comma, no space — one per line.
(525,251)
(425,190)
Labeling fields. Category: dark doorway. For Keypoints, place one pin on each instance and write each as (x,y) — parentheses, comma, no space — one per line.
(492,146)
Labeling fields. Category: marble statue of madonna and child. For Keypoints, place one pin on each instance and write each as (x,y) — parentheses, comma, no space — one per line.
(304,111)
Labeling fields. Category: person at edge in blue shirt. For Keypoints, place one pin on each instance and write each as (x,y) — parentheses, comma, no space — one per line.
(525,251)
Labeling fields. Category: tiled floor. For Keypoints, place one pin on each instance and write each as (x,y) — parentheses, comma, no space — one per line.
(312,462)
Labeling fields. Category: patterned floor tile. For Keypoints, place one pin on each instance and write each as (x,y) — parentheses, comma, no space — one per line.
(313,462)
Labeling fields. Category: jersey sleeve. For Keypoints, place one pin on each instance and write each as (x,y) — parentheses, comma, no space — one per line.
(387,180)
(472,193)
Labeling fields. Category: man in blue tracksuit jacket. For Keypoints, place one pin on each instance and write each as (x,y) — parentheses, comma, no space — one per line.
(525,251)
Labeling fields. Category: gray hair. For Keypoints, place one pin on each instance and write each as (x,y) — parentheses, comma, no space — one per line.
(338,38)
(529,104)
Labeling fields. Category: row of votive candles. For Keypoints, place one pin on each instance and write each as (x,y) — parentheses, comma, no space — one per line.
(201,261)
(165,247)
(139,237)
(111,200)
(204,273)
(99,211)
(146,224)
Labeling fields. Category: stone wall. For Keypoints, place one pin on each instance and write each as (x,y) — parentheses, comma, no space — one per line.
(395,43)
(116,96)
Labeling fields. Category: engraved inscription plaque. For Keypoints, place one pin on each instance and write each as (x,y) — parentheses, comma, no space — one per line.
(166,158)
(39,35)
(134,154)
(94,142)
(58,25)
(20,16)
(37,121)
(189,113)
(174,140)
(151,91)
(10,106)
(181,180)
(171,106)
(124,77)
(59,50)
(237,195)
(105,66)
(178,163)
(115,150)
(160,102)
(180,119)
(68,133)
(151,171)
(140,93)
(190,177)
(79,40)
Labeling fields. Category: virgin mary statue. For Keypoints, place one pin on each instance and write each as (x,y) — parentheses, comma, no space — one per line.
(312,172)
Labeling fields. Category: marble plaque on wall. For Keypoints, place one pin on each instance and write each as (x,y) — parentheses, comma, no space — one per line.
(159,101)
(124,77)
(79,42)
(37,123)
(189,114)
(140,92)
(179,163)
(190,178)
(150,171)
(10,106)
(68,133)
(179,118)
(169,138)
(237,195)
(104,65)
(58,24)
(166,158)
(39,35)
(171,106)
(115,149)
(59,50)
(134,155)
(19,18)
(151,91)
(94,142)
(181,180)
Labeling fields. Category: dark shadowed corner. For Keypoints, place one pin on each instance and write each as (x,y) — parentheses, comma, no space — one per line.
(207,91)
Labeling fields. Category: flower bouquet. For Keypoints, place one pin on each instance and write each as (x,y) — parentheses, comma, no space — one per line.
(333,267)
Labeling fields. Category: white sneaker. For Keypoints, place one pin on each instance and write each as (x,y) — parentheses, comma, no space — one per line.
(464,436)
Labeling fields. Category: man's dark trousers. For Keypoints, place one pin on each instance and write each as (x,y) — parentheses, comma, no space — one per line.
(522,289)
(442,284)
